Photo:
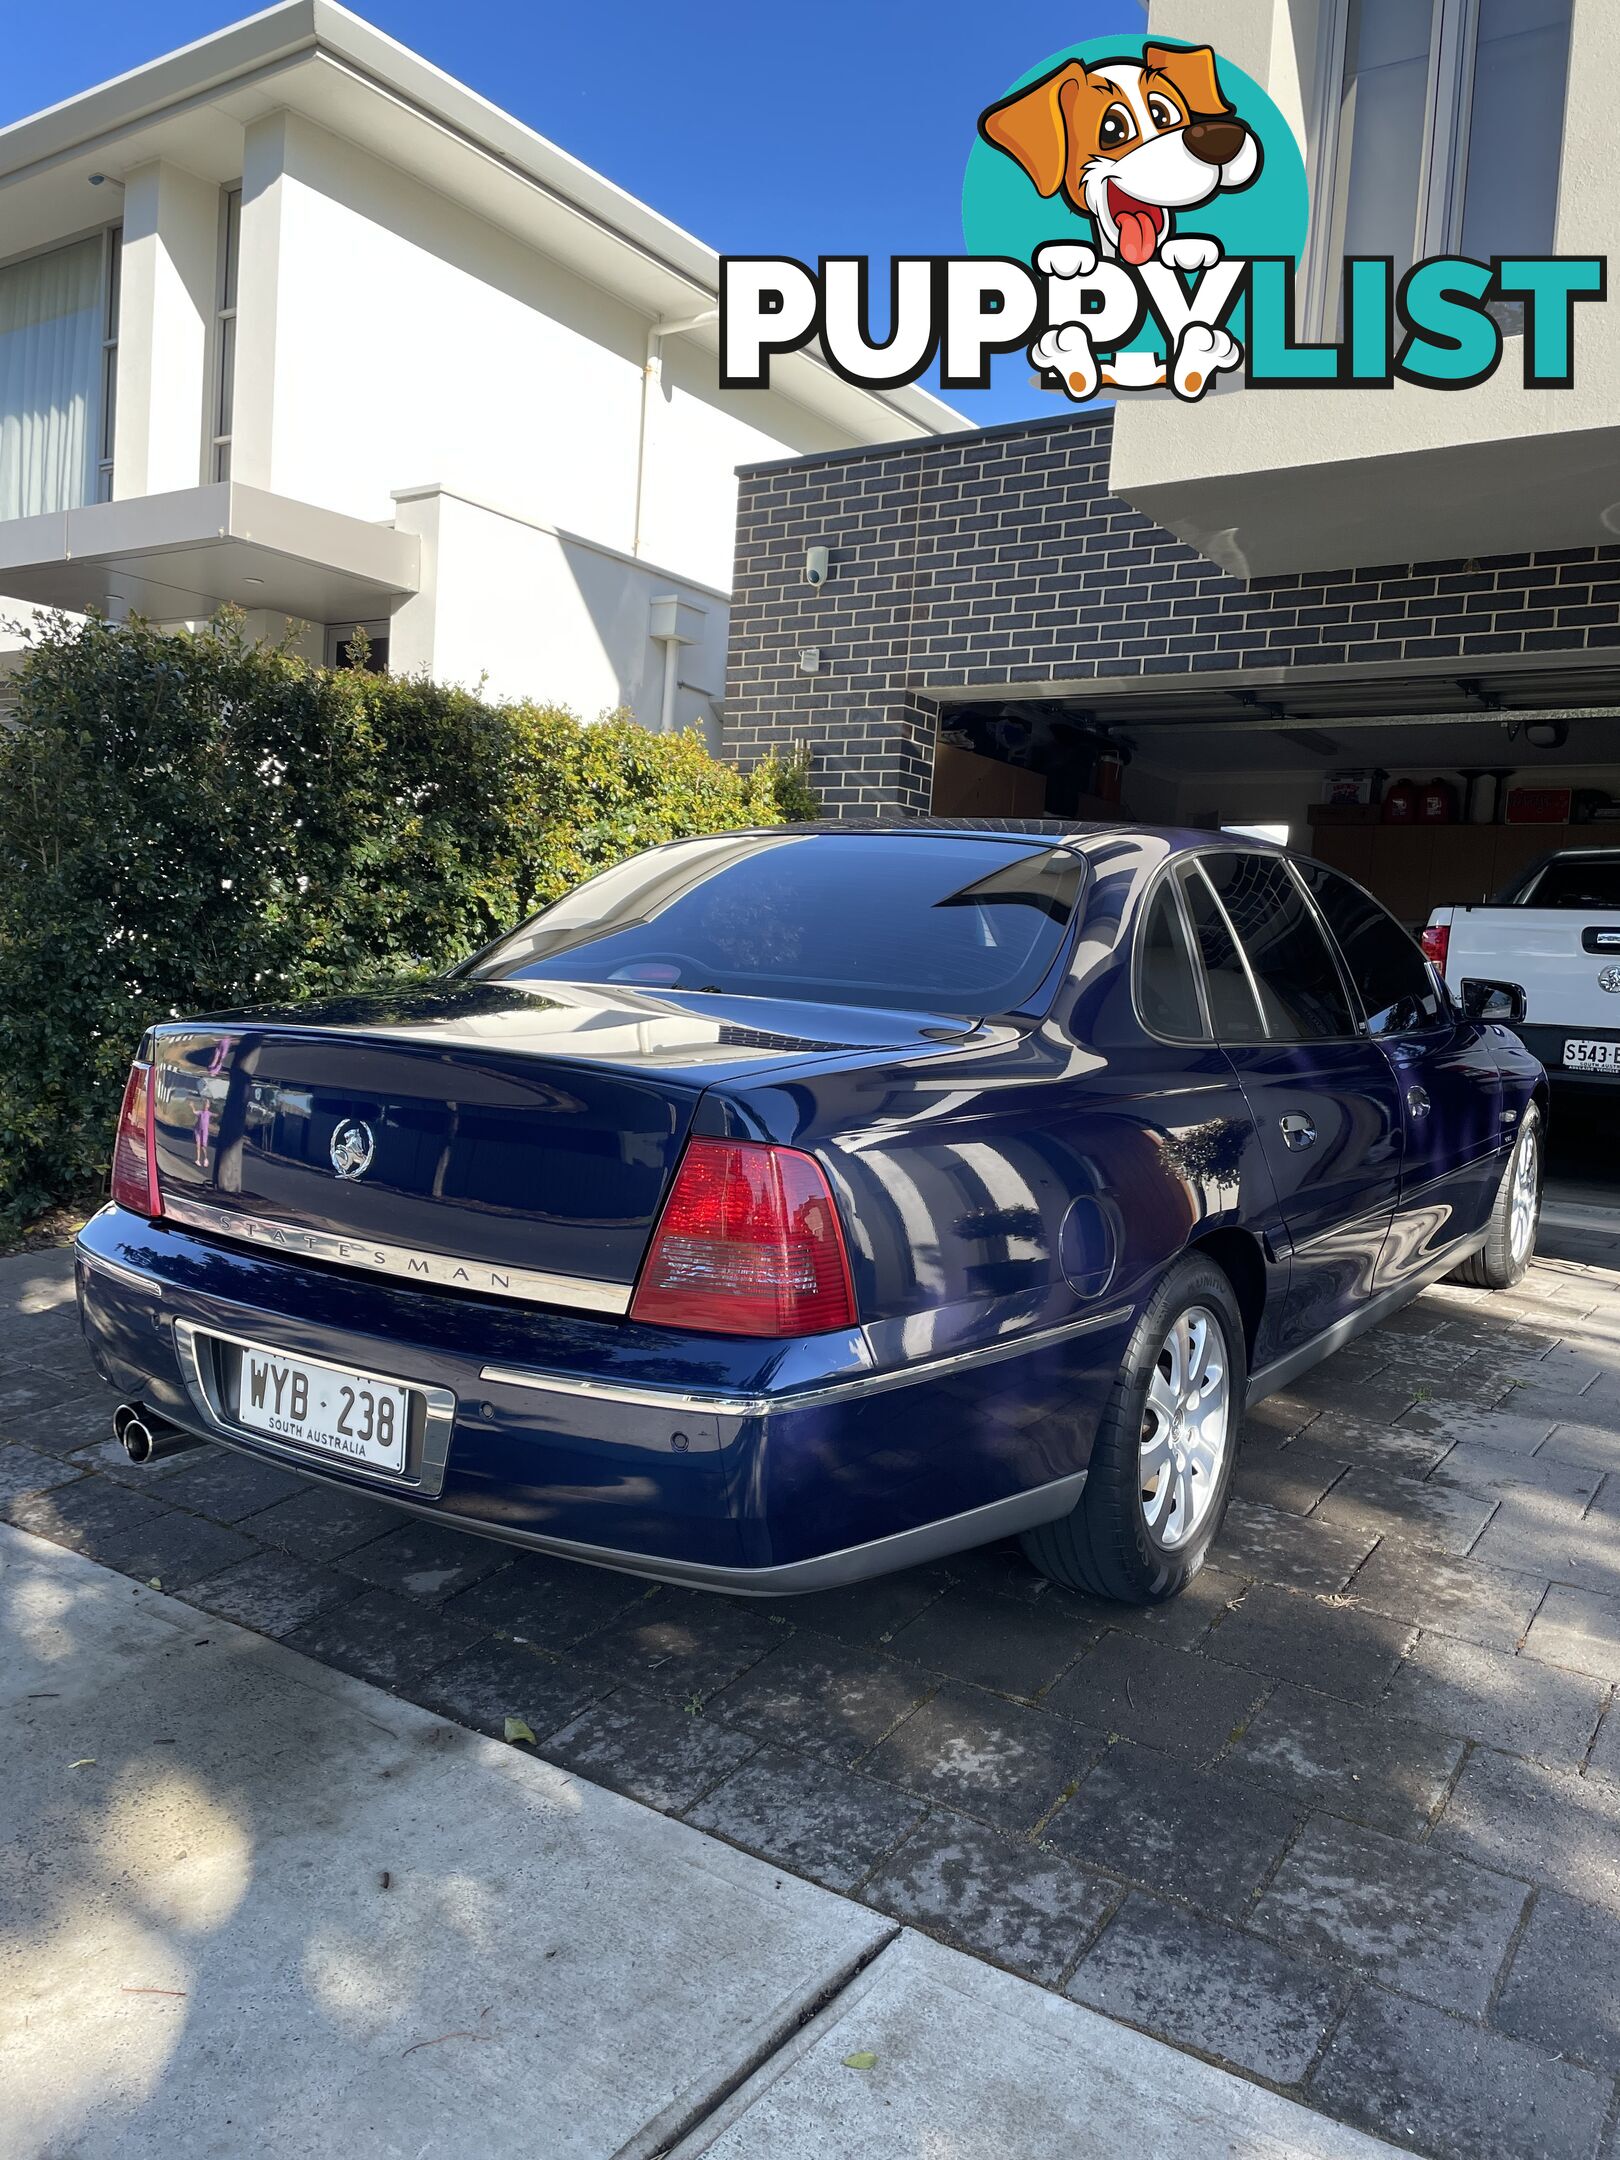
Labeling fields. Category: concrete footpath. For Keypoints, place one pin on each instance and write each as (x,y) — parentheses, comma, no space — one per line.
(248,1902)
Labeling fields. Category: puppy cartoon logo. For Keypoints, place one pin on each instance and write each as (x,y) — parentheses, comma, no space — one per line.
(1131,144)
(1134,215)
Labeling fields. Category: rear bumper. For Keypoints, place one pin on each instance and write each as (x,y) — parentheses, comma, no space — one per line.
(765,1468)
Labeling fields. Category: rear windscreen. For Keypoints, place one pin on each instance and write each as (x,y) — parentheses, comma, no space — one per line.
(947,924)
(1574,881)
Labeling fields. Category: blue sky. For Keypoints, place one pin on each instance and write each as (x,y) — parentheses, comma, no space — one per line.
(829,127)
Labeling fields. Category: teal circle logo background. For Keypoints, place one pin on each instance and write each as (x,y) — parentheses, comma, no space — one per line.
(1003,215)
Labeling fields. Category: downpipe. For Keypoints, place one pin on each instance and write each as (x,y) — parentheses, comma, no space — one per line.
(144,1437)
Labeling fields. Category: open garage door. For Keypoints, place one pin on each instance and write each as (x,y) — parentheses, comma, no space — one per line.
(1448,785)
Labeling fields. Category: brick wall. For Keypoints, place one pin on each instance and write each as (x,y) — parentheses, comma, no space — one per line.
(1001,557)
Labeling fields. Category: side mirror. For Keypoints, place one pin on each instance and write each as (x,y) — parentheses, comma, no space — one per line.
(1503,1001)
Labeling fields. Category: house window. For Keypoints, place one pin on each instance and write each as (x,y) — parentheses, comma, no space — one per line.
(230,250)
(343,647)
(111,278)
(53,321)
(1440,132)
(1381,130)
(1508,158)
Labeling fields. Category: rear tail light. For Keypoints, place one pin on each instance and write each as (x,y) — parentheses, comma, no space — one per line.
(749,1243)
(1436,942)
(134,1162)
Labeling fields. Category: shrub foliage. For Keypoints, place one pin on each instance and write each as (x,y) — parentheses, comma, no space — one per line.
(191,822)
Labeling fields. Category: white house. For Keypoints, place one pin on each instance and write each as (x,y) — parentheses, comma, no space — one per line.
(291,319)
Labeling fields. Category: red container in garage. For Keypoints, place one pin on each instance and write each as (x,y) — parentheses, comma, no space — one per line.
(1437,803)
(1401,803)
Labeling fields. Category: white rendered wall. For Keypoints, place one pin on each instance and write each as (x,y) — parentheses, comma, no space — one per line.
(167,301)
(694,446)
(404,335)
(520,610)
(17,617)
(258,289)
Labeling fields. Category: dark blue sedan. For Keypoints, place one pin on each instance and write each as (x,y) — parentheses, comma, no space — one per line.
(785,1207)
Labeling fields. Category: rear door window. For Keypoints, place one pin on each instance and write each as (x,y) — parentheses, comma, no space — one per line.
(1391,976)
(1167,983)
(1232,1007)
(1301,991)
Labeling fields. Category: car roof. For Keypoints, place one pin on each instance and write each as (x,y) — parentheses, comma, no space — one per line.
(1055,830)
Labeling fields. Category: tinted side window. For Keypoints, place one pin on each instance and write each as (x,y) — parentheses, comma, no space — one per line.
(1231,1002)
(1300,987)
(1390,974)
(1166,983)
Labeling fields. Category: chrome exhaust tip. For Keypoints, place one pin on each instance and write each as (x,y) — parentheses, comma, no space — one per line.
(136,1439)
(144,1437)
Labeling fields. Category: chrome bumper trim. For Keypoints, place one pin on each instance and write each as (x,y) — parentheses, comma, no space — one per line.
(433,1270)
(426,1456)
(638,1398)
(807,1398)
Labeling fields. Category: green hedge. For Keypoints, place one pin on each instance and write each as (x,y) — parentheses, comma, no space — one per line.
(192,822)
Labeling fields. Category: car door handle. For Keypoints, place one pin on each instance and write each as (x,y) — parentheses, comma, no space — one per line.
(1417,1101)
(1297,1130)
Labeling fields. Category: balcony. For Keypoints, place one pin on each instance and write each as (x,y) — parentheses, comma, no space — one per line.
(1267,481)
(179,557)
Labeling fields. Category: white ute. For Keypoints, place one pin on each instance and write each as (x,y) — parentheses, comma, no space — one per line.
(1555,934)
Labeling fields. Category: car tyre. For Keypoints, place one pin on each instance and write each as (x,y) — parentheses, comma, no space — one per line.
(1510,1241)
(1131,1537)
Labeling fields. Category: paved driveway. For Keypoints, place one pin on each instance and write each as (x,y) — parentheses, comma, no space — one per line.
(1346,1817)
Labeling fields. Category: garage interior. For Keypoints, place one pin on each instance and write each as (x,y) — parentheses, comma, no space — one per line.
(1528,761)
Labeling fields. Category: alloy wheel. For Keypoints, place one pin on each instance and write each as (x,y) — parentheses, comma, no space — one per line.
(1186,1428)
(1525,1205)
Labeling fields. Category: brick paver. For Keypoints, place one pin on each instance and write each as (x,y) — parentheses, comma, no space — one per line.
(1211,1987)
(1346,1816)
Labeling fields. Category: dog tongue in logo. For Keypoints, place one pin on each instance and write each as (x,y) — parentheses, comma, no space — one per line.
(1138,224)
